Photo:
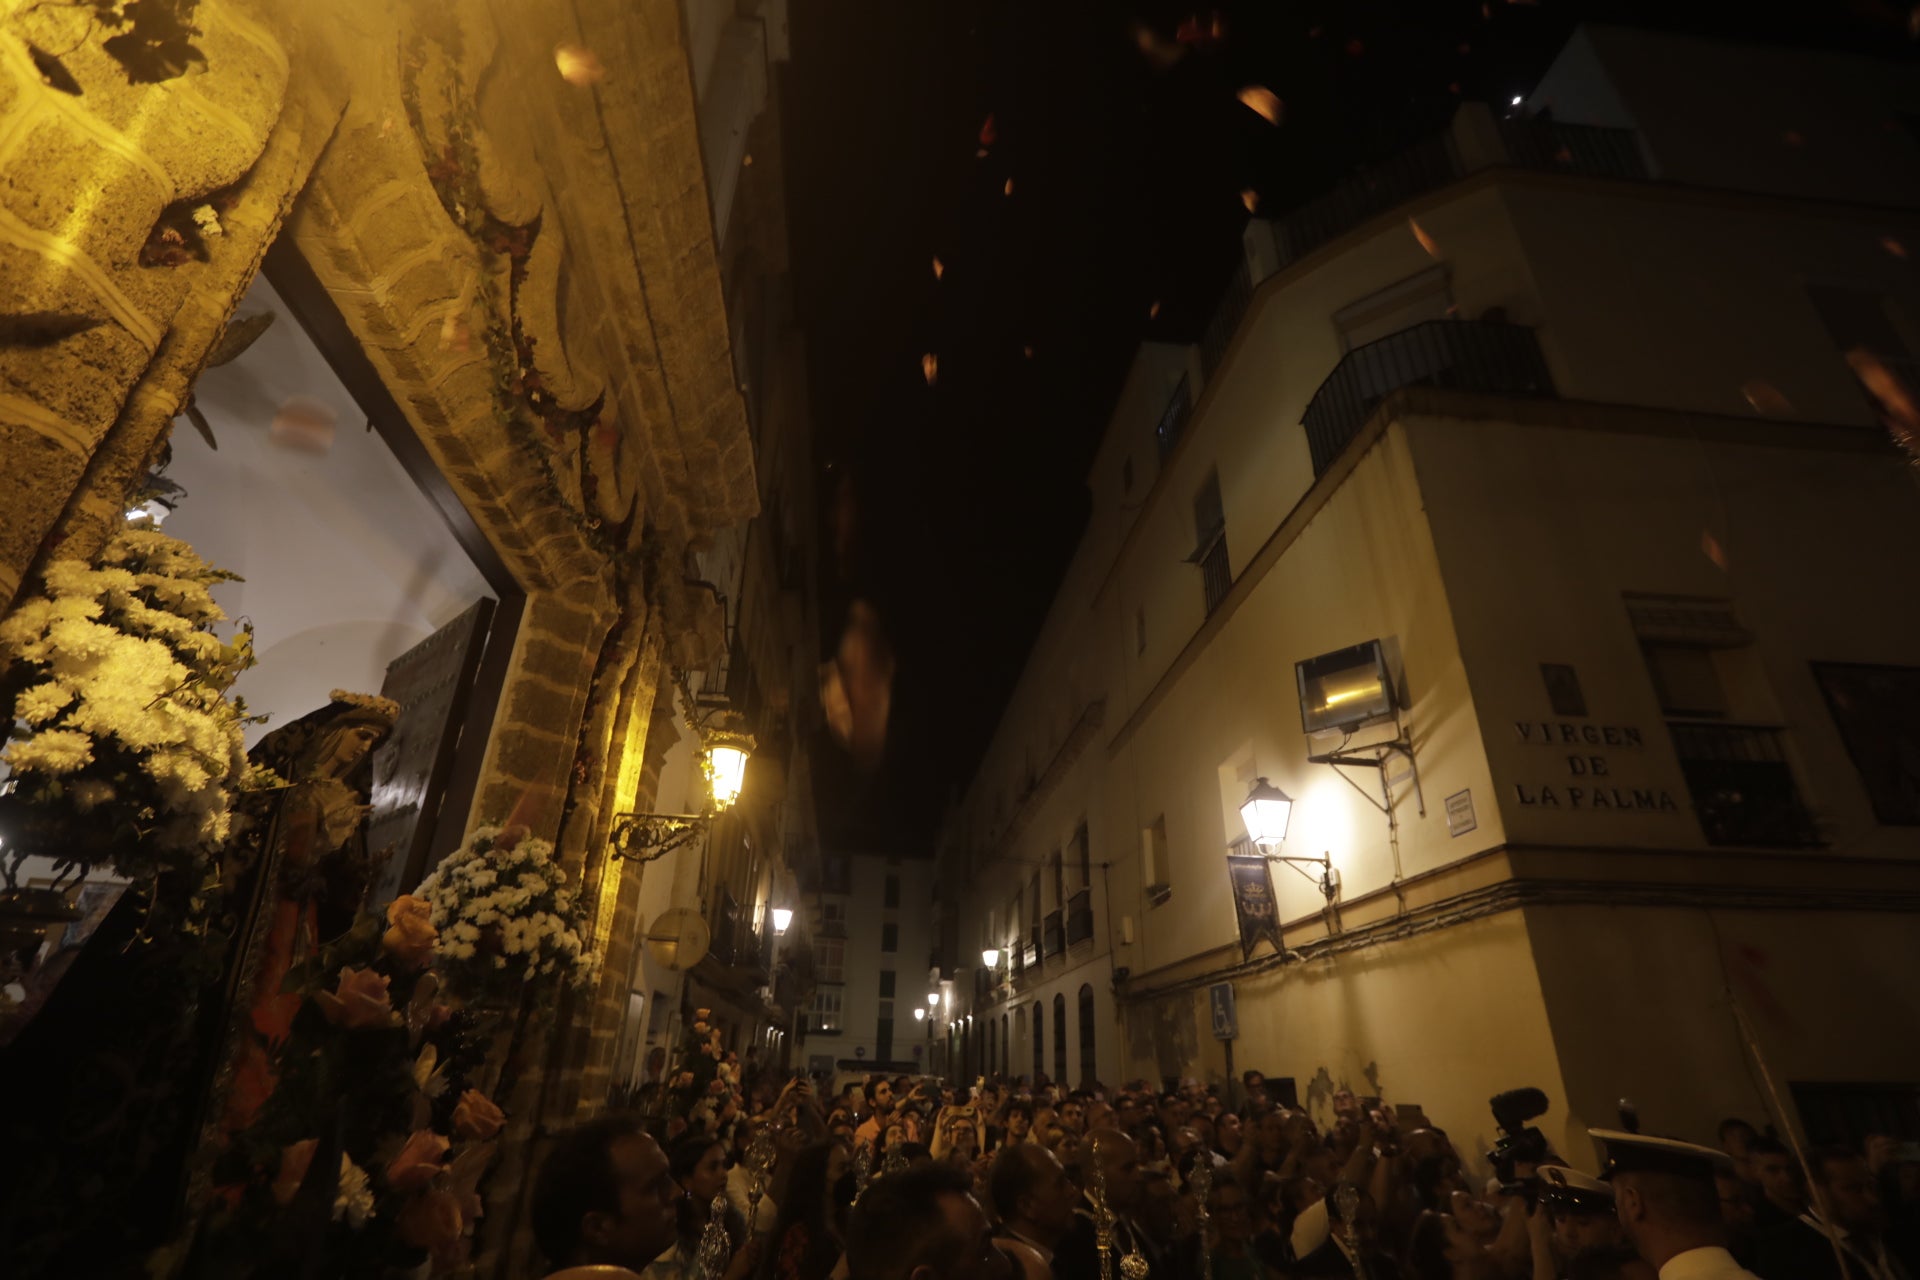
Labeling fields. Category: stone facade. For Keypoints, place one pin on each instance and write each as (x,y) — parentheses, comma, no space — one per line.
(528,265)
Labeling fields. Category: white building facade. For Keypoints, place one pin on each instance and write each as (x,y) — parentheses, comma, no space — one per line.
(1542,440)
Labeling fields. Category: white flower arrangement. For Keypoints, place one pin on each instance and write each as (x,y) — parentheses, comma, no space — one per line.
(124,742)
(505,915)
(353,1201)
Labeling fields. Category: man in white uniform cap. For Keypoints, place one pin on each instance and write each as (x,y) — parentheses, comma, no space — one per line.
(1665,1196)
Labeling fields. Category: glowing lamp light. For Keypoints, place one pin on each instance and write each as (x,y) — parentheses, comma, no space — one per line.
(990,957)
(1516,99)
(919,1015)
(933,998)
(727,766)
(1266,811)
(782,917)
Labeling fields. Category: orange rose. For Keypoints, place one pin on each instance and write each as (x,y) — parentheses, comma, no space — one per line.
(295,1159)
(418,1162)
(431,1220)
(475,1116)
(358,1001)
(410,935)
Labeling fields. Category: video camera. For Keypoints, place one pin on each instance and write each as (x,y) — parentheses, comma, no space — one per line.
(1520,1143)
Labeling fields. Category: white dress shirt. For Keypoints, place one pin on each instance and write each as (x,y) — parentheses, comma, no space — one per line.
(1711,1263)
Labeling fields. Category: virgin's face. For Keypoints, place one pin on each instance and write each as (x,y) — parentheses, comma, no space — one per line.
(348,748)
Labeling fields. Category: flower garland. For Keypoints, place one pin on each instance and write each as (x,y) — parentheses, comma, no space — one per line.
(504,917)
(127,750)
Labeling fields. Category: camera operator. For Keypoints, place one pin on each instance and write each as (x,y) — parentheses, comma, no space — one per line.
(1580,1212)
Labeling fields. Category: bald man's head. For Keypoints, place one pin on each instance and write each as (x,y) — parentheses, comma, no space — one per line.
(1119,1161)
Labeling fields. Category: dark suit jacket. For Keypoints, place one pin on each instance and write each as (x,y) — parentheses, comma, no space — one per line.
(1328,1260)
(1078,1257)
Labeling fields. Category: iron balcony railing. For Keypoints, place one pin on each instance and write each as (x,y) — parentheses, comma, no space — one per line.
(1054,934)
(1226,318)
(1462,355)
(1373,189)
(1080,917)
(1742,785)
(1033,948)
(1216,576)
(1173,419)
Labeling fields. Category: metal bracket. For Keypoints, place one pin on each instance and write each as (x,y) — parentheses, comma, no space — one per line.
(1328,886)
(1358,759)
(643,837)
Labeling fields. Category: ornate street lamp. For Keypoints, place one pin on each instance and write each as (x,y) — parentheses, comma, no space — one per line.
(933,999)
(782,917)
(990,958)
(1266,812)
(724,751)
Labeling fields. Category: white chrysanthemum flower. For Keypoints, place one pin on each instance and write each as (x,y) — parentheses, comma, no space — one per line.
(51,751)
(353,1200)
(40,703)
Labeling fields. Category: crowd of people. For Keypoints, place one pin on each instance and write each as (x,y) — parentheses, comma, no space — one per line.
(911,1178)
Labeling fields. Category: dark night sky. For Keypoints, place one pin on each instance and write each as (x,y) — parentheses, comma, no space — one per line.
(969,496)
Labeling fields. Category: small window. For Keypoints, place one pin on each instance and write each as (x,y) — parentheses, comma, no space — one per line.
(1686,680)
(1083,854)
(1877,710)
(889,937)
(886,1010)
(886,983)
(1157,868)
(1210,543)
(892,898)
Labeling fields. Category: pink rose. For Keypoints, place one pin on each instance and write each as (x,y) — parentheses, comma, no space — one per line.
(295,1159)
(418,1163)
(475,1116)
(358,1001)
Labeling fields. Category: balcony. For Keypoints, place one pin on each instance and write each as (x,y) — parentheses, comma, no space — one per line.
(1434,163)
(1053,934)
(1461,355)
(1080,917)
(1033,948)
(1173,419)
(1742,786)
(1016,961)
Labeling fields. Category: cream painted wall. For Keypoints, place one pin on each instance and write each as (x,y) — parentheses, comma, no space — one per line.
(1445,1020)
(1680,301)
(1364,568)
(1541,530)
(346,563)
(1640,1006)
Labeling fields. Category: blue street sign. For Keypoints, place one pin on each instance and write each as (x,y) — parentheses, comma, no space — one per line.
(1226,1022)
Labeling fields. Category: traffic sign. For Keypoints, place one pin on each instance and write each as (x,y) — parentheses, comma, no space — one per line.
(1226,1022)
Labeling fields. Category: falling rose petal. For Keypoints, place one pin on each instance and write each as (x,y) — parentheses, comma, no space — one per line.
(988,134)
(1465,48)
(1454,88)
(1894,399)
(1157,50)
(1563,156)
(1426,241)
(1486,12)
(1313,33)
(1251,199)
(304,424)
(1154,310)
(1027,351)
(1710,546)
(1219,26)
(930,367)
(981,154)
(939,267)
(1355,48)
(1766,398)
(1008,189)
(1263,102)
(1913,22)
(1189,30)
(578,64)
(1792,138)
(1893,246)
(746,161)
